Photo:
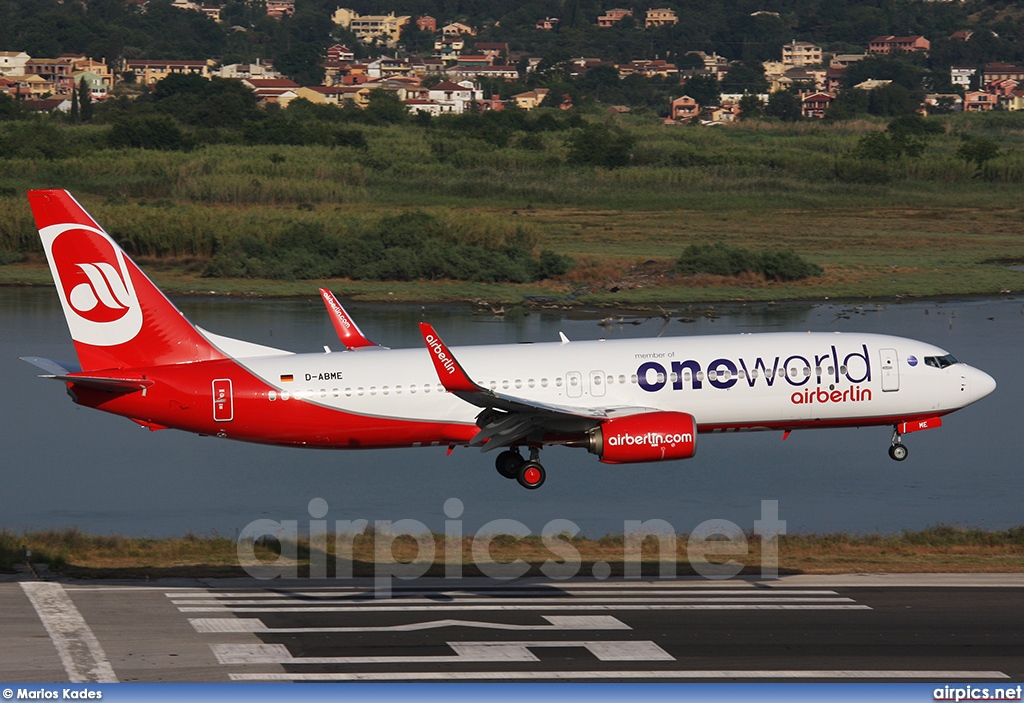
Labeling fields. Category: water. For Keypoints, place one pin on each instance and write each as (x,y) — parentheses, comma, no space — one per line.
(69,466)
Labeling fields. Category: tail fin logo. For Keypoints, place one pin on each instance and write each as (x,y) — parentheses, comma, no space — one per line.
(103,287)
(92,275)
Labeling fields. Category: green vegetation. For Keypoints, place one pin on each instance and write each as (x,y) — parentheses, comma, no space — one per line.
(406,247)
(723,260)
(920,221)
(942,548)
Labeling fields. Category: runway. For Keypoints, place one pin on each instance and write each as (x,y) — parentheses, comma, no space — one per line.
(836,628)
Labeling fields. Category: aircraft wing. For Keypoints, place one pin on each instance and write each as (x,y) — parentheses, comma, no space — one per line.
(348,332)
(506,419)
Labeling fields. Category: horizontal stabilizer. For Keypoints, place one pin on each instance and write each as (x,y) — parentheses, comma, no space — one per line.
(56,368)
(110,384)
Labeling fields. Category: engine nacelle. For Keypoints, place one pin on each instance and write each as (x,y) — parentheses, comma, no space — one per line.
(658,436)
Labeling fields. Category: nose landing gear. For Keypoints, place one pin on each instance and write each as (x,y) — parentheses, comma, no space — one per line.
(529,473)
(898,451)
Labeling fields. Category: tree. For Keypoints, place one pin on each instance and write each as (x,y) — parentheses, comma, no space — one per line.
(599,145)
(891,100)
(751,107)
(979,150)
(704,89)
(746,77)
(385,108)
(84,100)
(784,105)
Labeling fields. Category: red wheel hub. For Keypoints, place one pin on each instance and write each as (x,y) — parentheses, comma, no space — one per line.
(531,475)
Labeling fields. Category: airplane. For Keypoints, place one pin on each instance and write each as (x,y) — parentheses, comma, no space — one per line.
(626,401)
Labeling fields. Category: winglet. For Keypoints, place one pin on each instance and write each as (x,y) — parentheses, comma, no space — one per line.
(348,332)
(451,374)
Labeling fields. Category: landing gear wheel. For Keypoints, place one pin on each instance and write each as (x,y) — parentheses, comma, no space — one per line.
(531,475)
(508,463)
(898,452)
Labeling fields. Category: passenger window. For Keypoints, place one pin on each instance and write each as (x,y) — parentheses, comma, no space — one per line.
(610,380)
(359,391)
(622,379)
(373,390)
(700,375)
(385,390)
(543,383)
(831,370)
(633,378)
(519,383)
(531,383)
(504,385)
(272,395)
(597,381)
(712,375)
(348,392)
(558,381)
(842,369)
(323,392)
(398,389)
(335,392)
(493,385)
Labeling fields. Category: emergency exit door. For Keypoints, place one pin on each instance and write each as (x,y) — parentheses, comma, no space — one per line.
(890,369)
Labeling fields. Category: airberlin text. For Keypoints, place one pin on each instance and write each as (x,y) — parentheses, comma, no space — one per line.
(831,367)
(435,346)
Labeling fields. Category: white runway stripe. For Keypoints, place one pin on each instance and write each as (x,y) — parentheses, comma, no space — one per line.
(83,658)
(465,652)
(359,604)
(844,674)
(401,595)
(556,622)
(532,606)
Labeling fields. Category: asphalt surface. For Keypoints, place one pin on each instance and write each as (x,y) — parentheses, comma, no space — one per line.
(835,628)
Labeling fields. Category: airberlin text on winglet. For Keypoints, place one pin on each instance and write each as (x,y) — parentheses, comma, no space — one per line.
(435,345)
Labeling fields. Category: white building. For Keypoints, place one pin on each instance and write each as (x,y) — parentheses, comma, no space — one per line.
(455,97)
(12,63)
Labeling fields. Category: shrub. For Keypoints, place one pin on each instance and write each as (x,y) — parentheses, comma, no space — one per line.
(404,247)
(724,260)
(146,132)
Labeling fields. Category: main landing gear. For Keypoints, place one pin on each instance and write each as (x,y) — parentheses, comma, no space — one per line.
(898,451)
(529,473)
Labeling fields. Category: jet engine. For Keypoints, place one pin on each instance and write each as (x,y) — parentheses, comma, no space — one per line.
(656,436)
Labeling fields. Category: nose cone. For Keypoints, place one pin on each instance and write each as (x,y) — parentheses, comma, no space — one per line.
(981,384)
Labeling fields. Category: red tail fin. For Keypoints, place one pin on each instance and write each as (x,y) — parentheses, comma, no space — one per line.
(118,318)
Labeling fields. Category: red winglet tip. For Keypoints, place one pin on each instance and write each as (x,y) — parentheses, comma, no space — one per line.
(449,371)
(348,331)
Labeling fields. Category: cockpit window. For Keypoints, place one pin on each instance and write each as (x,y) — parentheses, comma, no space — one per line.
(940,362)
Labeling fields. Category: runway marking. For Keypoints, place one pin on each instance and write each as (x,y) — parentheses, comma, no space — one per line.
(83,658)
(358,605)
(465,652)
(530,607)
(400,595)
(849,674)
(556,622)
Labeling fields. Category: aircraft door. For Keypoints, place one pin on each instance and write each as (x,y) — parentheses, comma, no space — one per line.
(890,369)
(597,383)
(574,384)
(223,401)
